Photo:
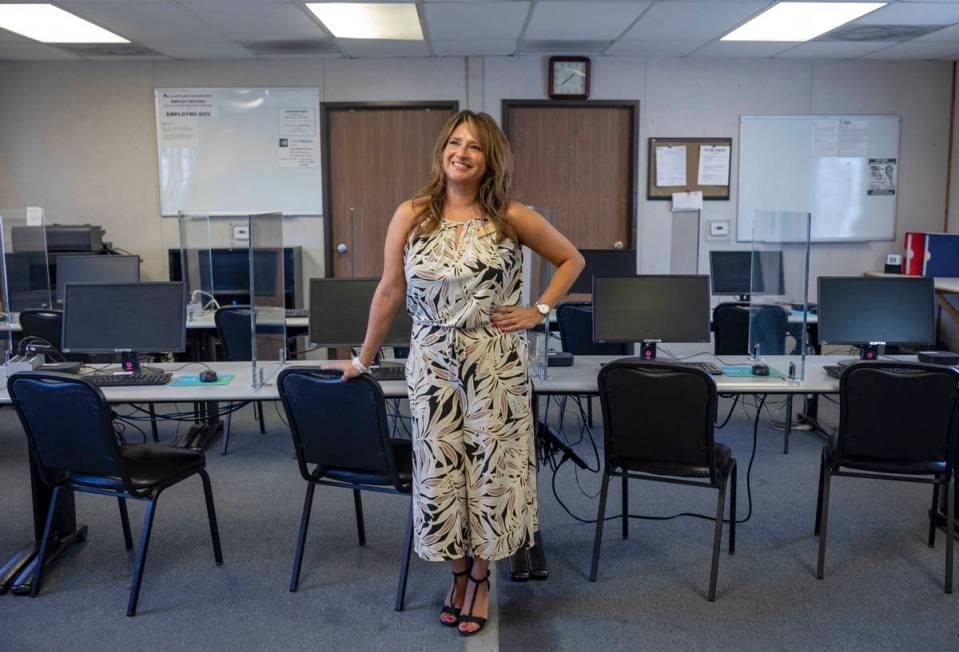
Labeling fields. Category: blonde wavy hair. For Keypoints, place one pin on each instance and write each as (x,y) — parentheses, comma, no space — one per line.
(495,189)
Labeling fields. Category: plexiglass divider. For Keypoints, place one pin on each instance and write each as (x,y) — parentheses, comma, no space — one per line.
(196,265)
(25,269)
(779,289)
(267,290)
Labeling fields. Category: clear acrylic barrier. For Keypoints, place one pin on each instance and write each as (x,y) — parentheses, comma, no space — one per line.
(267,287)
(196,264)
(25,269)
(779,287)
(537,274)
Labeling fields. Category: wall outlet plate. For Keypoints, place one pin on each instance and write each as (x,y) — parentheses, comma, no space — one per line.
(241,232)
(718,229)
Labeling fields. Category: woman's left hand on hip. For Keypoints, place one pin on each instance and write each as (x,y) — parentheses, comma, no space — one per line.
(514,318)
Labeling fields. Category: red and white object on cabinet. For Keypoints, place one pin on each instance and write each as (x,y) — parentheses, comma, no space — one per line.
(915,253)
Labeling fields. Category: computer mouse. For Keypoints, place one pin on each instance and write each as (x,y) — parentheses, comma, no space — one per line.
(208,376)
(759,369)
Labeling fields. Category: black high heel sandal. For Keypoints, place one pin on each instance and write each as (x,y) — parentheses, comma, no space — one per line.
(454,611)
(476,620)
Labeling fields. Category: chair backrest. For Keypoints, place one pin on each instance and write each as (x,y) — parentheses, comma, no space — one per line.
(45,324)
(898,411)
(733,335)
(233,327)
(575,320)
(337,425)
(658,412)
(69,425)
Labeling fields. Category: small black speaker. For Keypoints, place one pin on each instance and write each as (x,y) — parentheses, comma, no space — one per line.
(947,358)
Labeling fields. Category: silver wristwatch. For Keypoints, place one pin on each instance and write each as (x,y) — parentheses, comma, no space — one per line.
(543,309)
(359,366)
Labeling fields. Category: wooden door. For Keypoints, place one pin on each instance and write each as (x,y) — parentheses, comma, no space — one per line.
(577,159)
(377,158)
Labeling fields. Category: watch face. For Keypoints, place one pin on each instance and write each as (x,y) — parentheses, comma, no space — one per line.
(569,77)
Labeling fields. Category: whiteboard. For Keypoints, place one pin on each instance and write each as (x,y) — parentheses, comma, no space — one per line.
(238,150)
(844,170)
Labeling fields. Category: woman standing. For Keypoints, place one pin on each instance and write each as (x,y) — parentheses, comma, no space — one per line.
(453,255)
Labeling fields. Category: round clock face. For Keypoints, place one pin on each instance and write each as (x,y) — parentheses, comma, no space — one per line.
(569,78)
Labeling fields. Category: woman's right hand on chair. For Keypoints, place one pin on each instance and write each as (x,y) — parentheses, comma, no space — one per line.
(345,366)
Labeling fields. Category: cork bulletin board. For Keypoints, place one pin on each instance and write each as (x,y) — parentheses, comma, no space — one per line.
(692,145)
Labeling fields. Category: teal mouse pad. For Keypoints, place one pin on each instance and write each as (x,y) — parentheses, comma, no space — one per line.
(747,372)
(191,380)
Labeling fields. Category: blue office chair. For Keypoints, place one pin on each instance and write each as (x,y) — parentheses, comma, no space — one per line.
(233,328)
(739,327)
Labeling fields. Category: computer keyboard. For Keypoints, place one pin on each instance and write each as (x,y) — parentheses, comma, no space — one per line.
(296,313)
(392,372)
(708,367)
(833,370)
(127,380)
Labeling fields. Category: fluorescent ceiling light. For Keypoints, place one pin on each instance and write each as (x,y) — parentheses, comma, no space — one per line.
(395,21)
(49,24)
(800,21)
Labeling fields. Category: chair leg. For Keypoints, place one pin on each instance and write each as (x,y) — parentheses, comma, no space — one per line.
(950,530)
(600,519)
(822,479)
(211,516)
(141,557)
(153,423)
(301,537)
(405,567)
(932,515)
(732,509)
(125,522)
(360,526)
(47,527)
(625,506)
(226,429)
(823,521)
(259,409)
(717,540)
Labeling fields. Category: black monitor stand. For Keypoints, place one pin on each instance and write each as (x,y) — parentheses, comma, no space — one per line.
(130,362)
(867,352)
(647,350)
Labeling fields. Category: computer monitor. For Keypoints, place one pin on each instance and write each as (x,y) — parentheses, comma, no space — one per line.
(96,269)
(603,262)
(742,273)
(228,272)
(869,311)
(340,310)
(126,318)
(651,309)
(28,281)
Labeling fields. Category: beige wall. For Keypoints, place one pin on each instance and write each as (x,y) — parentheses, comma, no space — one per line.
(78,138)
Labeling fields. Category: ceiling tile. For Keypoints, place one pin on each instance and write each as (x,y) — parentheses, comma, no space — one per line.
(949,34)
(145,21)
(501,47)
(207,50)
(32,51)
(674,48)
(913,13)
(916,50)
(692,20)
(255,20)
(582,20)
(745,49)
(833,49)
(378,48)
(476,20)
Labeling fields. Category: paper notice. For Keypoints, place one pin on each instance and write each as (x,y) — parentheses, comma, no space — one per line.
(714,165)
(179,132)
(852,137)
(187,104)
(688,201)
(297,152)
(826,138)
(298,122)
(34,216)
(882,177)
(671,166)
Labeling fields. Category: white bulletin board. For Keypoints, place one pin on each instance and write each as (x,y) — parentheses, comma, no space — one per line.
(843,169)
(239,150)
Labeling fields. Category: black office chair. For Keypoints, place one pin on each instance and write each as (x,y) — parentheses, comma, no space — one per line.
(233,328)
(658,421)
(575,321)
(341,430)
(731,323)
(897,421)
(69,428)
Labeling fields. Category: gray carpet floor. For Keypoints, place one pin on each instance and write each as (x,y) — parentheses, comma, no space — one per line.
(883,585)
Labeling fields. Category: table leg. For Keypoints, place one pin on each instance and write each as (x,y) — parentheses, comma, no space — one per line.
(787,423)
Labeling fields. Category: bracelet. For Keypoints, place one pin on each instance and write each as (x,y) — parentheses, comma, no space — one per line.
(359,366)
